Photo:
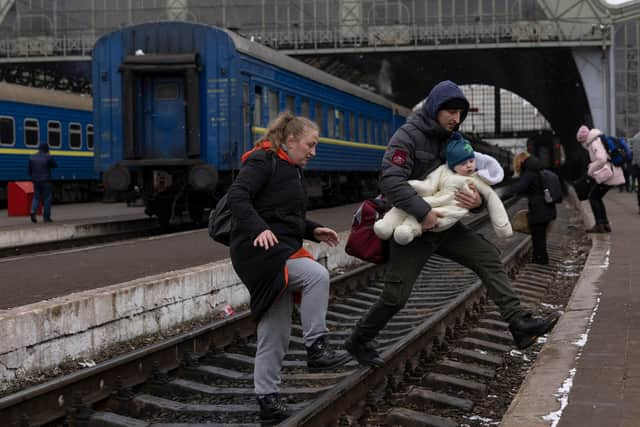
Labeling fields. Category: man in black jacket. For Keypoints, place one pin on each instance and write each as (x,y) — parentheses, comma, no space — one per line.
(415,150)
(40,165)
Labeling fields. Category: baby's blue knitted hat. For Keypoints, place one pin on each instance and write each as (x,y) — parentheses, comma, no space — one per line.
(458,150)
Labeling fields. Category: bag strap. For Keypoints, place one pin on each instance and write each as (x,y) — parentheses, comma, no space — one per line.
(274,163)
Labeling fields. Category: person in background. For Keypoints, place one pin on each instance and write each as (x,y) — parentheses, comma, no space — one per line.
(40,165)
(635,166)
(540,212)
(604,174)
(626,172)
(416,149)
(268,206)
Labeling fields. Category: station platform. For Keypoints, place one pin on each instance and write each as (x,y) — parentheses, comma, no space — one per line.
(75,213)
(588,372)
(72,221)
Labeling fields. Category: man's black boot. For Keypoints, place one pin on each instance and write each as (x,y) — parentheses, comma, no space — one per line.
(33,218)
(272,408)
(363,352)
(321,356)
(526,329)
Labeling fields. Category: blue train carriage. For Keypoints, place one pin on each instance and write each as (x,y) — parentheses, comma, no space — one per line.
(29,116)
(176,104)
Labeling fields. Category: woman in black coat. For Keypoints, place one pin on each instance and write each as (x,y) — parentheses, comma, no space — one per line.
(267,201)
(540,213)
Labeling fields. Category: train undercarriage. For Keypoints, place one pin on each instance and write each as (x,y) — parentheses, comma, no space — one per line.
(176,196)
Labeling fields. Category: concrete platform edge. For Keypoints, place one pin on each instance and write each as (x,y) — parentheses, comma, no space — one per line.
(47,233)
(44,334)
(544,392)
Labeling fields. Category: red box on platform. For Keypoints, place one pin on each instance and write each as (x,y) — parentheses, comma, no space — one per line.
(19,198)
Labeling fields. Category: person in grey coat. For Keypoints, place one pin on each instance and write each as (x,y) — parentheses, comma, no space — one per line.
(40,165)
(416,149)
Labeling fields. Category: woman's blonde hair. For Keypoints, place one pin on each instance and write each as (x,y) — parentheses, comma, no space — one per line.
(284,125)
(518,160)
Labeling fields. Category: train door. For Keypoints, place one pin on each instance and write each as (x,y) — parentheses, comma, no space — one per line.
(246,117)
(164,118)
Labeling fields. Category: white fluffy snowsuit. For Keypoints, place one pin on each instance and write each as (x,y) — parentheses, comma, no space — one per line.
(438,189)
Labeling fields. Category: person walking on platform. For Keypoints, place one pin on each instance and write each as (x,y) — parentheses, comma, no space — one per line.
(268,204)
(603,172)
(416,149)
(635,166)
(540,212)
(40,165)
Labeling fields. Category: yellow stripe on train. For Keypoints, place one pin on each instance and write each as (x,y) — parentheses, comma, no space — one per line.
(332,141)
(29,151)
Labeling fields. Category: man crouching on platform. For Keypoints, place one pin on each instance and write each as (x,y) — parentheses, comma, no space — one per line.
(414,151)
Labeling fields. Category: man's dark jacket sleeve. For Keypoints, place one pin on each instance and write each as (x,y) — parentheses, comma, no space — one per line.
(397,166)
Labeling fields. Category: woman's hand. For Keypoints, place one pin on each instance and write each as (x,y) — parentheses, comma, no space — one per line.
(266,240)
(326,235)
(469,200)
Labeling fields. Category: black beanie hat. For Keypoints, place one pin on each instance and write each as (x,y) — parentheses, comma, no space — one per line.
(454,104)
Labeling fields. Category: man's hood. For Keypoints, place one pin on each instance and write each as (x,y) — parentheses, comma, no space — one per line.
(441,93)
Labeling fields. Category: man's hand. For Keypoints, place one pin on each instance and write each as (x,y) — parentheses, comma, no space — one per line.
(469,199)
(430,222)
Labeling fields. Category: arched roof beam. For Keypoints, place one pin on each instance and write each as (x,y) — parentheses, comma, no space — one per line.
(5,7)
(621,12)
(572,17)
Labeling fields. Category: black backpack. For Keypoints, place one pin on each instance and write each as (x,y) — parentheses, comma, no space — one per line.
(220,221)
(220,217)
(551,186)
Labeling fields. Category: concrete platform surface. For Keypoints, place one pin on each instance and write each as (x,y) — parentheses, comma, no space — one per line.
(74,213)
(588,372)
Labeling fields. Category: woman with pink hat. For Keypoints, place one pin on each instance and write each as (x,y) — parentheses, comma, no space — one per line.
(603,172)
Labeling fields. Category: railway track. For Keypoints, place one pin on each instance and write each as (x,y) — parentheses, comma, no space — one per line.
(205,375)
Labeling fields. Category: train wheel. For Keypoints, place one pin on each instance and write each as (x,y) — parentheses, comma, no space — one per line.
(164,216)
(197,216)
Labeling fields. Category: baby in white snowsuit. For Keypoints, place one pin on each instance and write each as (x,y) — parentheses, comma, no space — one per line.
(464,166)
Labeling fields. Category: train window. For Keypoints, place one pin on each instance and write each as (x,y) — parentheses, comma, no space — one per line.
(7,131)
(167,92)
(352,127)
(53,134)
(340,118)
(385,133)
(90,137)
(290,104)
(257,106)
(75,136)
(374,135)
(369,134)
(331,122)
(318,117)
(31,132)
(273,105)
(361,129)
(304,108)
